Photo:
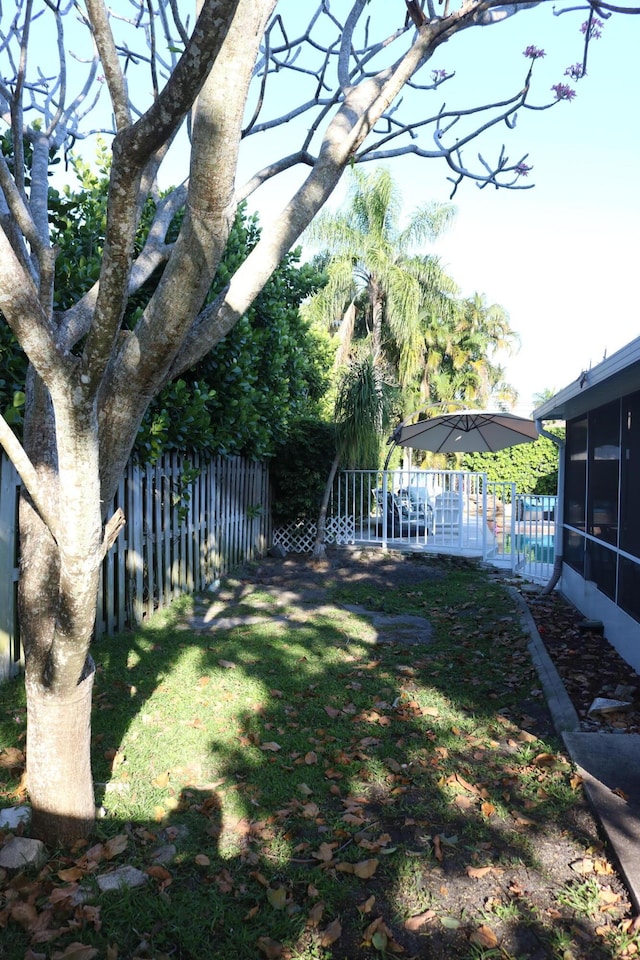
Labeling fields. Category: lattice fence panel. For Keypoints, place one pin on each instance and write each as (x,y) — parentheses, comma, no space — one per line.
(299,536)
(340,530)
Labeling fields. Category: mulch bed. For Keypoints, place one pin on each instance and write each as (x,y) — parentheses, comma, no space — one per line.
(587,663)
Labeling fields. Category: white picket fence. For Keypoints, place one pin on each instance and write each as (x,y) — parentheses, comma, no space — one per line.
(179,537)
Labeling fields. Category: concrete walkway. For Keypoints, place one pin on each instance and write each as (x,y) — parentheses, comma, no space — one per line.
(609,764)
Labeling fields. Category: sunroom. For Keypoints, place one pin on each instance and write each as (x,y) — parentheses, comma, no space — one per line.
(601,526)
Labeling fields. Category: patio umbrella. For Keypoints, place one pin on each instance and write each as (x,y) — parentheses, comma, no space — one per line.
(466,431)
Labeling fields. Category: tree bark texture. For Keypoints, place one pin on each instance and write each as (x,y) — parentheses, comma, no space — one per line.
(59,777)
(57,595)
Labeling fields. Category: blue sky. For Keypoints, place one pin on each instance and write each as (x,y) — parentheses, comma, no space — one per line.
(562,258)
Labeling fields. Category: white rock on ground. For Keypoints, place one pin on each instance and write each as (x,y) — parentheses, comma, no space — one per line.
(602,706)
(21,852)
(12,817)
(122,877)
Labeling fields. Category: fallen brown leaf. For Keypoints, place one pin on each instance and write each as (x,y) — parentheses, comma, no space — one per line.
(525,737)
(478,872)
(631,926)
(609,896)
(414,923)
(76,951)
(353,819)
(115,845)
(324,852)
(331,933)
(463,802)
(12,759)
(24,914)
(484,937)
(59,894)
(315,914)
(71,874)
(367,906)
(545,760)
(456,780)
(365,869)
(437,849)
(272,949)
(521,820)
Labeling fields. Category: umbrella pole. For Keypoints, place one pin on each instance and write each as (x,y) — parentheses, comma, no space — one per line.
(391,449)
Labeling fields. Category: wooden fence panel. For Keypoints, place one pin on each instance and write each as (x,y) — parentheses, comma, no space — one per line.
(180,536)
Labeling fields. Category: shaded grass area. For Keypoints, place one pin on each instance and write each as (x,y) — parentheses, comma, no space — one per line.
(300,780)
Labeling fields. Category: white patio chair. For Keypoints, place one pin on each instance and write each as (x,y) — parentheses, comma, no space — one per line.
(448,512)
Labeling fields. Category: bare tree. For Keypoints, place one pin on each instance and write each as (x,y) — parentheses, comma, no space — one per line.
(205,84)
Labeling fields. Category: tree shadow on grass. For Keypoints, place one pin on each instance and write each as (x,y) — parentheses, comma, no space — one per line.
(340,788)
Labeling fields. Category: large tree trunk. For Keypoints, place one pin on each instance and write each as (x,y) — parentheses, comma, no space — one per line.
(57,594)
(59,778)
(57,600)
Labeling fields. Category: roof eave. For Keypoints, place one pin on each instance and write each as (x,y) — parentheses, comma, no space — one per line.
(614,377)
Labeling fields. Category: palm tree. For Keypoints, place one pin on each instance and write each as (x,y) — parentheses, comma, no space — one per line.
(378,289)
(396,315)
(364,408)
(543,395)
(374,300)
(461,355)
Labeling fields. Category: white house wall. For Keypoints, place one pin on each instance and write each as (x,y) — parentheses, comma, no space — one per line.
(621,630)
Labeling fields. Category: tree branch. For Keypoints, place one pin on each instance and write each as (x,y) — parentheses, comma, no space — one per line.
(103,37)
(176,99)
(28,474)
(21,308)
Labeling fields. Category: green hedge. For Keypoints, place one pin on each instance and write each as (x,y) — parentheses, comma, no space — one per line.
(533,467)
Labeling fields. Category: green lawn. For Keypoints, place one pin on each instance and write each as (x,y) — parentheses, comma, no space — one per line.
(292,787)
